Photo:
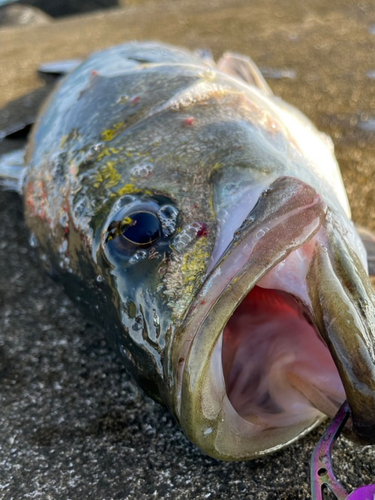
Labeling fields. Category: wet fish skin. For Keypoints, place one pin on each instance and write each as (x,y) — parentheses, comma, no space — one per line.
(97,189)
(150,128)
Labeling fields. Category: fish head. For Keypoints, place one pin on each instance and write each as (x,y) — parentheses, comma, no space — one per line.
(253,346)
(279,333)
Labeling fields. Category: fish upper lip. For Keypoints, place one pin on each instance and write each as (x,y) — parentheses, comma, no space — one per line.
(245,262)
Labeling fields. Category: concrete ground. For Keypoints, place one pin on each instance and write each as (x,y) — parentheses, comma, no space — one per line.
(73,425)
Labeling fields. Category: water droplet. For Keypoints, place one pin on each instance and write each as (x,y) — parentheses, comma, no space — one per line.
(190,233)
(371,29)
(65,263)
(138,256)
(144,170)
(186,237)
(33,241)
(156,318)
(99,278)
(168,218)
(259,234)
(63,247)
(99,146)
(58,162)
(64,219)
(75,185)
(79,208)
(123,99)
(126,353)
(136,327)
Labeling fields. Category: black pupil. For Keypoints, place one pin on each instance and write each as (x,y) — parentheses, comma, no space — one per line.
(144,228)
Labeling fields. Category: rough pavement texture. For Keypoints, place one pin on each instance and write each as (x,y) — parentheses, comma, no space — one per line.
(73,426)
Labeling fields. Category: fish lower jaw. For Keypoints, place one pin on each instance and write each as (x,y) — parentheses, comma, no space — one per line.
(270,378)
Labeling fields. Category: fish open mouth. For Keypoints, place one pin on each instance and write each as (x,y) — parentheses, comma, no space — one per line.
(260,361)
(276,368)
(270,377)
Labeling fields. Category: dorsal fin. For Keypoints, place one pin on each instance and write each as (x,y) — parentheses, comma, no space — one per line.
(245,69)
(21,113)
(58,68)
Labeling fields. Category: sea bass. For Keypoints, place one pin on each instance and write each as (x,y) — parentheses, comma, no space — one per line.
(203,223)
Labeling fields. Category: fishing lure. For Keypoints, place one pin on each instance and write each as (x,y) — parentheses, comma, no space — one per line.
(321,469)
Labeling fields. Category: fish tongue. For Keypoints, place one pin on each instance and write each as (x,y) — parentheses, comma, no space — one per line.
(321,400)
(343,305)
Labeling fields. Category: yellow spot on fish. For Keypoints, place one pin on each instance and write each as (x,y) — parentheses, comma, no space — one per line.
(126,221)
(194,264)
(63,140)
(123,99)
(109,175)
(109,134)
(108,152)
(102,154)
(127,189)
(131,189)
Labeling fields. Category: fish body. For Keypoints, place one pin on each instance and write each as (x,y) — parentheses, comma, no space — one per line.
(203,223)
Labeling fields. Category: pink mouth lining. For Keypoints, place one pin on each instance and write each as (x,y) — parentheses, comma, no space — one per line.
(276,367)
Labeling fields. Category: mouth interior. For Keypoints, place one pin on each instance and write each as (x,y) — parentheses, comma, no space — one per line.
(277,370)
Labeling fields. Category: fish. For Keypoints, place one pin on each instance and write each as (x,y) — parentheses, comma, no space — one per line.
(203,224)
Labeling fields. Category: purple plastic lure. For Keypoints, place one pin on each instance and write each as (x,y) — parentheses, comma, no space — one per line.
(321,464)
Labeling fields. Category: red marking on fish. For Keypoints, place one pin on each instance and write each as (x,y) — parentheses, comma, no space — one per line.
(203,230)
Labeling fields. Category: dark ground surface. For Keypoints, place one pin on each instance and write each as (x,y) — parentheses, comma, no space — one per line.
(73,426)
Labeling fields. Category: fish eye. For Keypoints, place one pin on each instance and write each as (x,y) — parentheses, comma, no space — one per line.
(141,228)
(137,228)
(139,224)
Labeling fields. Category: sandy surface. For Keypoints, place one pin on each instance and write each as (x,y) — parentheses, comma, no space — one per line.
(73,425)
